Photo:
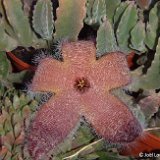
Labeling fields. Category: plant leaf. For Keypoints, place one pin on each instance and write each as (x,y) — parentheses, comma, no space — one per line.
(111,7)
(43,22)
(118,13)
(5,66)
(150,105)
(138,36)
(13,122)
(18,21)
(7,43)
(95,146)
(152,27)
(17,77)
(96,150)
(96,12)
(127,22)
(70,17)
(151,80)
(16,101)
(4,22)
(106,41)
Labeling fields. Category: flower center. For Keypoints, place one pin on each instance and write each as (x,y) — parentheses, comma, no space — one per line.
(82,84)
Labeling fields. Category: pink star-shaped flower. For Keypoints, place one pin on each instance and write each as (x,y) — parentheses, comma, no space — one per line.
(82,88)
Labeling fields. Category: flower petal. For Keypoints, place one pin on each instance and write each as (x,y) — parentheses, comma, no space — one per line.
(51,75)
(110,118)
(110,71)
(52,124)
(80,54)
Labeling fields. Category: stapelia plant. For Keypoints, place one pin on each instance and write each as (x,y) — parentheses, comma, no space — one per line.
(82,87)
(91,85)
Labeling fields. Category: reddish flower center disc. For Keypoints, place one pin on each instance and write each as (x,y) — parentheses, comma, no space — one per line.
(82,84)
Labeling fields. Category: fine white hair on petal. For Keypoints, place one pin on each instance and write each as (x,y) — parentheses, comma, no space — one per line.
(55,48)
(54,51)
(44,97)
(40,55)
